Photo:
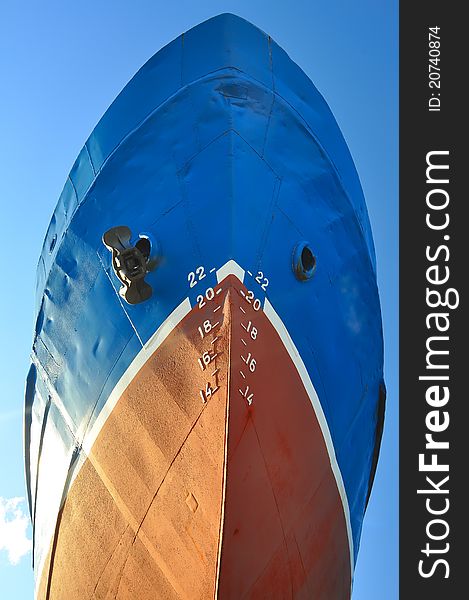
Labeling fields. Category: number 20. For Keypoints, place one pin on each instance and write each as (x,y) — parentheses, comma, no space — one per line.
(209,295)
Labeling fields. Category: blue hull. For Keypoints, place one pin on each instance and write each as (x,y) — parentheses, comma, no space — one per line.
(220,148)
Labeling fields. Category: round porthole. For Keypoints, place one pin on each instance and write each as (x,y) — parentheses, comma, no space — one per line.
(304,261)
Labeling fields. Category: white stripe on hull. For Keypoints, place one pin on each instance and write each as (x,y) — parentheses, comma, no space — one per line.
(165,329)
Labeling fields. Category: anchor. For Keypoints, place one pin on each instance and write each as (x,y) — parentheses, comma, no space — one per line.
(130,263)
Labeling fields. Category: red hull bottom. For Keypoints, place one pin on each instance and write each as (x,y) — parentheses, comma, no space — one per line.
(209,479)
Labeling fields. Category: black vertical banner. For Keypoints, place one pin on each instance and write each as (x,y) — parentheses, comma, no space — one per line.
(434,242)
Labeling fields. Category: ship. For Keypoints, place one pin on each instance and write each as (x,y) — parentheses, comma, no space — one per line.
(205,401)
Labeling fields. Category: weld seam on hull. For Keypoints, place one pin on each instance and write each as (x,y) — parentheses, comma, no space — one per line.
(225,465)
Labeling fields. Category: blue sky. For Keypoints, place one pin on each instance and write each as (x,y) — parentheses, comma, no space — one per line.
(61,65)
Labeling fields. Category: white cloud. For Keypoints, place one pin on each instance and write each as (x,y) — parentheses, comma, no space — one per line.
(13,526)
